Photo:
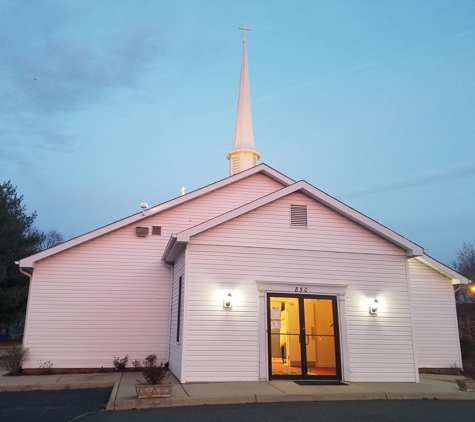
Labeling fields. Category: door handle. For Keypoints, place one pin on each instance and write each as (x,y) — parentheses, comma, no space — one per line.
(308,339)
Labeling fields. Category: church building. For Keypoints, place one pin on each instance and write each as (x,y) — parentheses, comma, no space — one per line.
(254,277)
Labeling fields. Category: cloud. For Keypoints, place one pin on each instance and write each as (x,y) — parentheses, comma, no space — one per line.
(59,57)
(425,180)
(53,62)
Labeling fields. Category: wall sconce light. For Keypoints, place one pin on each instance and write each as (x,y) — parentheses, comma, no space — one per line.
(228,301)
(373,309)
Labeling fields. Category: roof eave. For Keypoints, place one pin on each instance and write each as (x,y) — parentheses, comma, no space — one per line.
(412,249)
(454,276)
(29,262)
(174,248)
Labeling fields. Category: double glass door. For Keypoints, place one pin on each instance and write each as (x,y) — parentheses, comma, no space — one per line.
(303,337)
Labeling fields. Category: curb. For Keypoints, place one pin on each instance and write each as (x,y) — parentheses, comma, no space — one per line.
(111,402)
(188,401)
(201,401)
(70,386)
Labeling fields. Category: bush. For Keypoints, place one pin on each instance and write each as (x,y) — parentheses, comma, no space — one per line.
(119,363)
(14,360)
(46,367)
(153,373)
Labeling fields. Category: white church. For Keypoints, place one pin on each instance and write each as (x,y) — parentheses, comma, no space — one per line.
(254,277)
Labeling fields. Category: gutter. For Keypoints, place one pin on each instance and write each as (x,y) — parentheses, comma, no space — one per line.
(23,271)
(169,247)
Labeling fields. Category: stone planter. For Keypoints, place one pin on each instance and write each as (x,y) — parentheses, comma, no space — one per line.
(466,384)
(147,391)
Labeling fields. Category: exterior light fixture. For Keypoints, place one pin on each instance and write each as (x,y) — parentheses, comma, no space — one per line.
(228,301)
(373,309)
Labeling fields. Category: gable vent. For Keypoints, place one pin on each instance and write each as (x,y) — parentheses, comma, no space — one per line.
(298,216)
(141,231)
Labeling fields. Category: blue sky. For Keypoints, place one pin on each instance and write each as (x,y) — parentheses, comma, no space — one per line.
(109,104)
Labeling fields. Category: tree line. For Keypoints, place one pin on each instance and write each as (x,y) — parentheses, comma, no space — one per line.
(18,239)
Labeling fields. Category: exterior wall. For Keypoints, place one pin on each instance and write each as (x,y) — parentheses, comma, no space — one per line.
(270,225)
(223,344)
(111,296)
(176,350)
(435,318)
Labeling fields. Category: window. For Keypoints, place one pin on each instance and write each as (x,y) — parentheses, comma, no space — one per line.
(178,317)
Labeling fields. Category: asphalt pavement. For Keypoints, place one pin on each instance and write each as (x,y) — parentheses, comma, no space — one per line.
(330,411)
(66,406)
(50,405)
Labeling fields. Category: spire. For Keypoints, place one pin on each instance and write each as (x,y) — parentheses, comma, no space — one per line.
(243,155)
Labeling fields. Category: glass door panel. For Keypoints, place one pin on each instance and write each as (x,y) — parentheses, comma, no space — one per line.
(319,337)
(286,352)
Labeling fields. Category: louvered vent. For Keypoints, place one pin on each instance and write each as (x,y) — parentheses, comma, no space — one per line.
(235,164)
(141,231)
(298,216)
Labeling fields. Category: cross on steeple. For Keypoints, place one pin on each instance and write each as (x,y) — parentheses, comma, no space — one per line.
(244,29)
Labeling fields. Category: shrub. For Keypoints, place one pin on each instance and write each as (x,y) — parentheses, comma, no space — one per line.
(47,367)
(153,373)
(14,360)
(120,363)
(137,365)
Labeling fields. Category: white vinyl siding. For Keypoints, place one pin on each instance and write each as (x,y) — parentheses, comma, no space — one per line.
(435,318)
(223,346)
(270,226)
(111,296)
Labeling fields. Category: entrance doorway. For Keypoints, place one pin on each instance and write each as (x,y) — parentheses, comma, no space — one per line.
(303,337)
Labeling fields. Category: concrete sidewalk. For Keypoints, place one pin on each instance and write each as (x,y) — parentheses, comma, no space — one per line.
(123,396)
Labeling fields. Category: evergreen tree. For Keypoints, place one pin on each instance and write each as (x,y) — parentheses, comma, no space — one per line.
(18,239)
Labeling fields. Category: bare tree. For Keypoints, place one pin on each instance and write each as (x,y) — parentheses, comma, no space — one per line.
(464,264)
(51,238)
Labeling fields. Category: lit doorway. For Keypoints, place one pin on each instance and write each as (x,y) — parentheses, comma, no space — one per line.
(303,337)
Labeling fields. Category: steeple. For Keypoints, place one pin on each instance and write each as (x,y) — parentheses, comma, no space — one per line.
(243,155)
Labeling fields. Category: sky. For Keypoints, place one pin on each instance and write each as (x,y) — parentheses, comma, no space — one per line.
(105,105)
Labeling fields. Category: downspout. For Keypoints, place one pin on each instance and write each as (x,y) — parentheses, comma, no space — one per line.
(25,328)
(23,271)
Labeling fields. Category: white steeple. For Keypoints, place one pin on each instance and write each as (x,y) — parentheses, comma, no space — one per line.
(243,155)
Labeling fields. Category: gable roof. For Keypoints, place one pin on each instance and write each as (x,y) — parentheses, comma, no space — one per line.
(28,263)
(177,242)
